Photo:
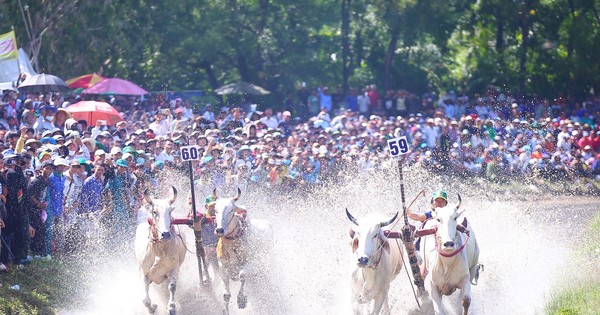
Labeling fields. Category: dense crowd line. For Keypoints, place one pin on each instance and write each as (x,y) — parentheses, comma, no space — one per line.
(56,171)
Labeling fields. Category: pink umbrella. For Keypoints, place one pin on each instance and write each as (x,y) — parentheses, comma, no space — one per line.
(115,86)
(91,111)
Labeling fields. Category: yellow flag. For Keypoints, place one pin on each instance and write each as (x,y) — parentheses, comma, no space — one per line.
(8,46)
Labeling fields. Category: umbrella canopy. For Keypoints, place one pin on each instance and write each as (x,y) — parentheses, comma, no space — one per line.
(91,111)
(84,81)
(43,83)
(241,87)
(115,86)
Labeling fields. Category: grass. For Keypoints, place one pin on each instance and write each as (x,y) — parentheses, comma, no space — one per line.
(42,288)
(583,298)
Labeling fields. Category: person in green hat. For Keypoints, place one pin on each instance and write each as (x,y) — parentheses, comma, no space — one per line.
(119,214)
(439,199)
(205,228)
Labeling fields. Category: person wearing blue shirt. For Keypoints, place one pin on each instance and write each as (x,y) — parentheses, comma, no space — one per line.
(325,99)
(54,210)
(92,191)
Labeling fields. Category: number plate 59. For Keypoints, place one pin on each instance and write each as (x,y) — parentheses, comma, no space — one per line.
(398,146)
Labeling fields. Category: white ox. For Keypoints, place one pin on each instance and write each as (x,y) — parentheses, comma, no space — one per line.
(378,262)
(159,250)
(241,242)
(451,255)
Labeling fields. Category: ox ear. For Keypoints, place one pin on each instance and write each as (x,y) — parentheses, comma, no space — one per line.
(354,244)
(460,213)
(147,196)
(386,223)
(172,200)
(239,193)
(350,217)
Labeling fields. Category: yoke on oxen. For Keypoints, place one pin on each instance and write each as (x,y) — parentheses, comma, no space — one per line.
(450,255)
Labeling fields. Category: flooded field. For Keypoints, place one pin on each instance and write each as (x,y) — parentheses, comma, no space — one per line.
(526,242)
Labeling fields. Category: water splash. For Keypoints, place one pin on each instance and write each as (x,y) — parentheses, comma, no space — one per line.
(522,240)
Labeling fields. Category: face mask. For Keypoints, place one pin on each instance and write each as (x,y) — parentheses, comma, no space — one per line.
(49,118)
(71,152)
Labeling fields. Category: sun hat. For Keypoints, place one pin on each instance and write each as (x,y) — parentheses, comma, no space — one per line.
(439,194)
(122,163)
(210,200)
(61,161)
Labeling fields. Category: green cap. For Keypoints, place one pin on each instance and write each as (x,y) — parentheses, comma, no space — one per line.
(131,151)
(439,194)
(210,200)
(122,163)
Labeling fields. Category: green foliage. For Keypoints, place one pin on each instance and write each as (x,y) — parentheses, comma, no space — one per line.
(42,288)
(583,298)
(190,44)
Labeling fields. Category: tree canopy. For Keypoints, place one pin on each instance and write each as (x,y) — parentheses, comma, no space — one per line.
(529,47)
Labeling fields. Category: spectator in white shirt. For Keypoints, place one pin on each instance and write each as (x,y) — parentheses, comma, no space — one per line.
(209,114)
(161,125)
(165,154)
(269,121)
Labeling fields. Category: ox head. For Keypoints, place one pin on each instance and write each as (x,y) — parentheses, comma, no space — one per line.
(160,213)
(447,221)
(225,211)
(366,236)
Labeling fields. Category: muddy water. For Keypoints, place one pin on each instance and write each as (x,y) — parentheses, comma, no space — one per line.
(526,242)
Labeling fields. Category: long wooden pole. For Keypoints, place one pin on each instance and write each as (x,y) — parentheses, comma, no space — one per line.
(408,239)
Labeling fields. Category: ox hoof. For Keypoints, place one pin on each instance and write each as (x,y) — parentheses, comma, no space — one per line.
(242,300)
(171,309)
(152,308)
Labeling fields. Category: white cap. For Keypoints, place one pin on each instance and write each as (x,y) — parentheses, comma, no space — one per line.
(61,161)
(115,150)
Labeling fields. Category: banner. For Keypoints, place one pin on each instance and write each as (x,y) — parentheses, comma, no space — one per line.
(8,46)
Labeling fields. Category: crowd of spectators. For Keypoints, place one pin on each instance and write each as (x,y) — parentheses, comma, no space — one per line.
(57,171)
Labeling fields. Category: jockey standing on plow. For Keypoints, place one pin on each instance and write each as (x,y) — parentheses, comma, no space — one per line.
(438,200)
(449,250)
(205,226)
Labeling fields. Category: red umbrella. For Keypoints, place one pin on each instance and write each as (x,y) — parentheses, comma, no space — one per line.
(92,111)
(84,81)
(115,86)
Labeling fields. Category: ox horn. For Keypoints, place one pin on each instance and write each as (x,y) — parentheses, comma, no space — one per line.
(352,218)
(385,223)
(459,201)
(147,196)
(239,193)
(214,193)
(172,200)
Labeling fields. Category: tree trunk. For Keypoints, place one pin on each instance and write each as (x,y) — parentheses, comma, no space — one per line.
(258,59)
(389,58)
(570,48)
(345,45)
(211,77)
(242,66)
(499,34)
(523,53)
